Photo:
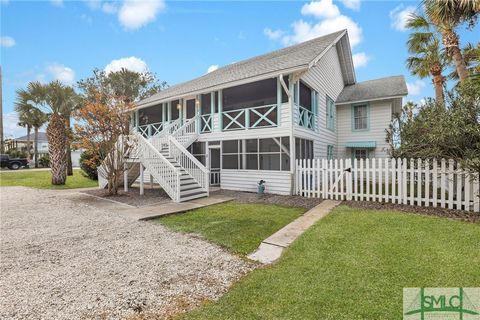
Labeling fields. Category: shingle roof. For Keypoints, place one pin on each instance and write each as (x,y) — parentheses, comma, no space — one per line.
(42,136)
(374,89)
(287,58)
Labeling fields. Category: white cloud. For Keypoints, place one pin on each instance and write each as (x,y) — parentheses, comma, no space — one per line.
(273,34)
(135,14)
(321,9)
(109,7)
(415,88)
(360,59)
(213,67)
(93,4)
(330,20)
(11,129)
(7,42)
(61,73)
(57,3)
(351,4)
(400,15)
(130,63)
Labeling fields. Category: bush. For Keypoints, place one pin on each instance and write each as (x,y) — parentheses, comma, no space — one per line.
(44,161)
(14,153)
(89,161)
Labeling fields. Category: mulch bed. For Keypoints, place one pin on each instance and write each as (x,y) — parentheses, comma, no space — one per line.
(252,197)
(133,197)
(467,216)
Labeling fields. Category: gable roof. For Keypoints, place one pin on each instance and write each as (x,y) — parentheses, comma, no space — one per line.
(289,59)
(389,87)
(42,136)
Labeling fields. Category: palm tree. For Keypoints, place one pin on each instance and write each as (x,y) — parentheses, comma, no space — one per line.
(57,101)
(25,122)
(38,120)
(428,58)
(447,15)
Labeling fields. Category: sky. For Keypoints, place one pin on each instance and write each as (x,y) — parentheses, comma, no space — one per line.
(180,40)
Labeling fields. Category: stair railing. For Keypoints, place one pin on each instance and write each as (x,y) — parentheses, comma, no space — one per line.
(188,132)
(160,168)
(160,140)
(189,163)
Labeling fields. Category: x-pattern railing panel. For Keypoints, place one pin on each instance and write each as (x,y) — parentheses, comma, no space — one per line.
(243,118)
(206,123)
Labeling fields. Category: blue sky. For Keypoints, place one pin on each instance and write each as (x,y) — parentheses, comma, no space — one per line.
(65,40)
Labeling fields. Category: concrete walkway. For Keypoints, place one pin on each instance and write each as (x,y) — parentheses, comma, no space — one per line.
(271,248)
(155,211)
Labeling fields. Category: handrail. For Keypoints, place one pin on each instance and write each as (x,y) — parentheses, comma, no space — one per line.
(188,132)
(159,167)
(189,163)
(161,139)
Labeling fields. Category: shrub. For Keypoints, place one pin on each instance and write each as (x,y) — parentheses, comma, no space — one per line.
(44,161)
(14,153)
(89,161)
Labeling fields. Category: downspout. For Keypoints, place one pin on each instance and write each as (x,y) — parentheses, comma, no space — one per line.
(292,138)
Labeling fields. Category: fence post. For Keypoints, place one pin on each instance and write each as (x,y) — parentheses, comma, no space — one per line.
(319,177)
(476,193)
(459,179)
(349,179)
(374,179)
(387,173)
(442,183)
(427,183)
(450,183)
(419,182)
(380,181)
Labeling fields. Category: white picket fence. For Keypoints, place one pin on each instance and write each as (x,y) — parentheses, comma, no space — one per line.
(417,182)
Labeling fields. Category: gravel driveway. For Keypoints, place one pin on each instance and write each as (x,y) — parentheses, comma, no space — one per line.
(65,259)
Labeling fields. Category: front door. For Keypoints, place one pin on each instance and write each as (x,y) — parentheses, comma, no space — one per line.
(214,166)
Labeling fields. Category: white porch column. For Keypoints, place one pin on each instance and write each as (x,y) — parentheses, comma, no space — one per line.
(125,177)
(141,180)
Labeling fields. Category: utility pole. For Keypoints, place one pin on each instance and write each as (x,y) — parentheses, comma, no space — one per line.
(2,145)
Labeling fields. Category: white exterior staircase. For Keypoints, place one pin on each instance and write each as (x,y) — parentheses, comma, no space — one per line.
(166,158)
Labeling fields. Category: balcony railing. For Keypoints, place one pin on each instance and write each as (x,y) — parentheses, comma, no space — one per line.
(206,123)
(306,118)
(250,118)
(151,129)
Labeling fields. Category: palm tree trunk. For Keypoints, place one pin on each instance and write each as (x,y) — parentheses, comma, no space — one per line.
(68,154)
(35,147)
(451,43)
(438,85)
(56,148)
(29,129)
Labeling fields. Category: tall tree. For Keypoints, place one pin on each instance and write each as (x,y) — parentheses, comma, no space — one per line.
(56,100)
(25,122)
(448,15)
(428,58)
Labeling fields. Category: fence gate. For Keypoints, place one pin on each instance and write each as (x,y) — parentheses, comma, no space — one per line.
(436,183)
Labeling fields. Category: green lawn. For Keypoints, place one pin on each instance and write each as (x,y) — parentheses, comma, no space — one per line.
(42,179)
(353,264)
(237,227)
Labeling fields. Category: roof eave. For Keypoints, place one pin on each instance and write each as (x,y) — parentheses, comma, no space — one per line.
(367,100)
(223,86)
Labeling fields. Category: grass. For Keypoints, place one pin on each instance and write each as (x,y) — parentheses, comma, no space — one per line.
(354,264)
(238,227)
(42,180)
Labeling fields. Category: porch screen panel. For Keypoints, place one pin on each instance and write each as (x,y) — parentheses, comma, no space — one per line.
(174,109)
(150,115)
(190,108)
(249,95)
(206,103)
(305,96)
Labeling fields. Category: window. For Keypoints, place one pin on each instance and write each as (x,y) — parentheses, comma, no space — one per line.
(360,154)
(360,117)
(331,111)
(198,150)
(257,154)
(330,152)
(303,149)
(150,115)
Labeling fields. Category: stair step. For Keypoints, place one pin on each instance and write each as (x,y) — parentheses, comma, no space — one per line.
(194,196)
(189,187)
(184,193)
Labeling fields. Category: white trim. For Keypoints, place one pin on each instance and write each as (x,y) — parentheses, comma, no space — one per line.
(367,100)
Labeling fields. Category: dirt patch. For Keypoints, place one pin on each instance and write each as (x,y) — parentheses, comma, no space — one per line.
(133,197)
(251,197)
(468,216)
